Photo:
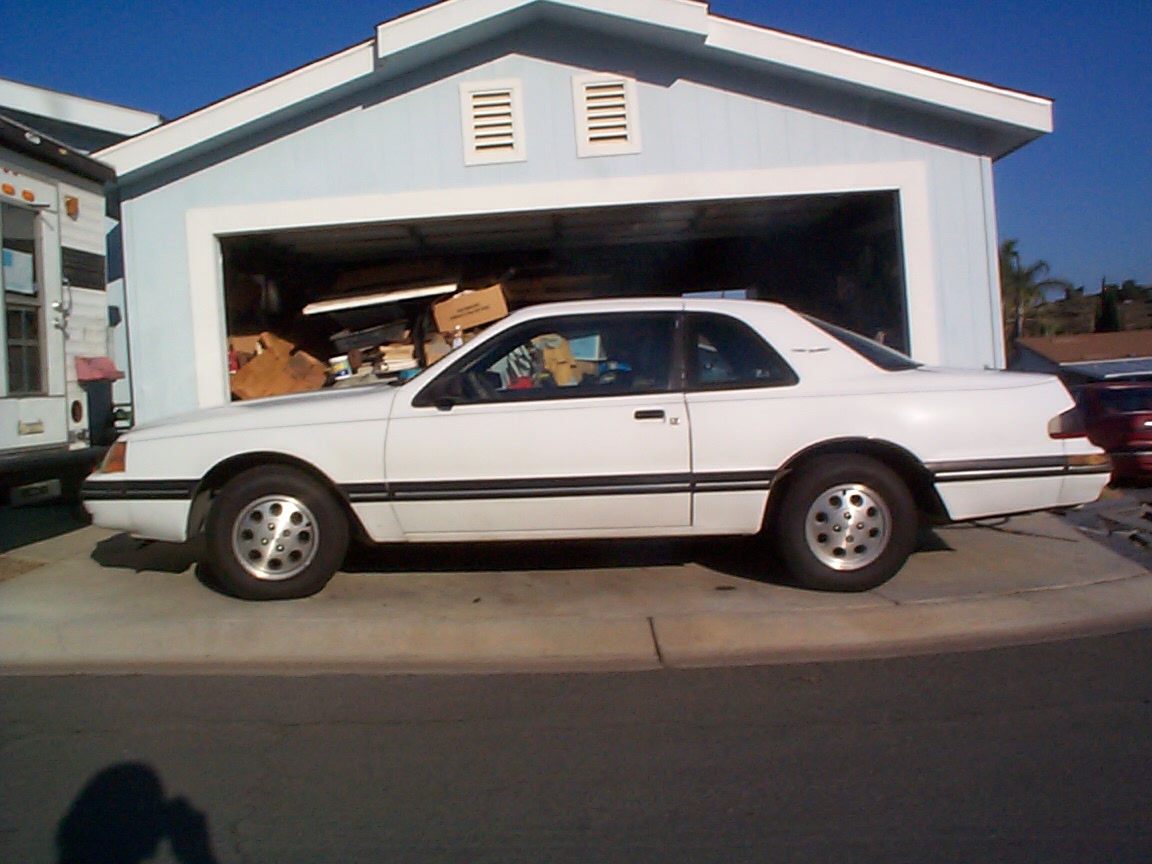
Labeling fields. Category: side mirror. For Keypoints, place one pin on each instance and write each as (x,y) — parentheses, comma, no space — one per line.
(440,395)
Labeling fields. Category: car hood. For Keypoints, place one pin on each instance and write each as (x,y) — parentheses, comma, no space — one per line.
(316,408)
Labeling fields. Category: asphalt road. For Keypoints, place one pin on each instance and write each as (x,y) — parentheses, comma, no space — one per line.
(1016,755)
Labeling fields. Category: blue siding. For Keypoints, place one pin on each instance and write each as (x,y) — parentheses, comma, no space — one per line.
(406,136)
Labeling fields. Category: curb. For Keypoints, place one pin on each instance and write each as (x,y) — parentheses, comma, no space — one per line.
(927,627)
(99,603)
(576,644)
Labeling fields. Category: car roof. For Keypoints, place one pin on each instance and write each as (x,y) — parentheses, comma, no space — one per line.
(650,304)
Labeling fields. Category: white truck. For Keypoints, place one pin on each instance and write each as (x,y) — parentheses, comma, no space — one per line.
(59,362)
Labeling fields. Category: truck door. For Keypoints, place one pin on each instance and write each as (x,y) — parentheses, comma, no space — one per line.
(33,410)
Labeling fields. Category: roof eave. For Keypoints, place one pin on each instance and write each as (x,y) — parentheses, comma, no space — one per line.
(1030,115)
(24,139)
(76,110)
(1013,119)
(240,109)
(434,22)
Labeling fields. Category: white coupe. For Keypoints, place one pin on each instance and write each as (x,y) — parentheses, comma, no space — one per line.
(610,419)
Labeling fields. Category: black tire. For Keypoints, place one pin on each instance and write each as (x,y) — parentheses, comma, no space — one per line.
(275,533)
(847,523)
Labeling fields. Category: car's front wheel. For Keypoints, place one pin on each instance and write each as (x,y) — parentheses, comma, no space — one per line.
(275,533)
(847,523)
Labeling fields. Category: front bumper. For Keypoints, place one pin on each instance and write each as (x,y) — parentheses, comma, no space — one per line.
(156,510)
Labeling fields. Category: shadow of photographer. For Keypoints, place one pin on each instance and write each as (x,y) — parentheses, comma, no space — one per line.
(122,815)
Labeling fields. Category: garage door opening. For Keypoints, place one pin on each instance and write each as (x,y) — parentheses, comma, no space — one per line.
(835,256)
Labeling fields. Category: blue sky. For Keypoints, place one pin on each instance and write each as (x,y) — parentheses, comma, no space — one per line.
(1080,199)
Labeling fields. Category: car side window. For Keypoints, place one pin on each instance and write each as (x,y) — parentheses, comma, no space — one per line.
(564,357)
(726,354)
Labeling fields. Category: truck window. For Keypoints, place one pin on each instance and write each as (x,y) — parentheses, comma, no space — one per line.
(23,318)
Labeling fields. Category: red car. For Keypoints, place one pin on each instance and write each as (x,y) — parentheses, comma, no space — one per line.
(1118,418)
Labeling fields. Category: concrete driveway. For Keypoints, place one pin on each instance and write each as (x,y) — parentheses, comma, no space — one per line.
(92,600)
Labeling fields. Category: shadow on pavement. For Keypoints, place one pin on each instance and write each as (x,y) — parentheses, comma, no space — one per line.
(22,526)
(744,558)
(122,815)
(127,552)
(748,558)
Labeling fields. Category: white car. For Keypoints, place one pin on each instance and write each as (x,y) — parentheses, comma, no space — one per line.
(610,419)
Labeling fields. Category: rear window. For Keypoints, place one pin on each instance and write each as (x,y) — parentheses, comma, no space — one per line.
(1126,401)
(875,353)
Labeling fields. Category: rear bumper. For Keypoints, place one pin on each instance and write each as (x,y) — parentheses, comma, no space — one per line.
(55,463)
(971,490)
(1132,464)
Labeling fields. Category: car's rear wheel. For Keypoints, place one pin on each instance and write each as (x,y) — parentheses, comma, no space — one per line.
(275,533)
(847,523)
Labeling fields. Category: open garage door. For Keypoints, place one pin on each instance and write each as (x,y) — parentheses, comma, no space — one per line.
(834,256)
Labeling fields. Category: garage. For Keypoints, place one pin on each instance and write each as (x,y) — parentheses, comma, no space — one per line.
(563,149)
(837,256)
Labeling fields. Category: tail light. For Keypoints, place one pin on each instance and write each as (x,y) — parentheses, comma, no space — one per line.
(1070,424)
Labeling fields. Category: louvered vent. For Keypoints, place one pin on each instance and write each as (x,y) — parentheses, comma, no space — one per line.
(493,125)
(606,119)
(606,107)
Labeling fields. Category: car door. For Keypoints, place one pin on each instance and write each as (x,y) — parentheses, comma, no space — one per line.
(741,402)
(567,426)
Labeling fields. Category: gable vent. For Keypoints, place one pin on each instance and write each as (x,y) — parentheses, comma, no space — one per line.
(606,120)
(493,122)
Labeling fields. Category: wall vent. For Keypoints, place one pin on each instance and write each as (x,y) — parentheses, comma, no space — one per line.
(607,121)
(493,122)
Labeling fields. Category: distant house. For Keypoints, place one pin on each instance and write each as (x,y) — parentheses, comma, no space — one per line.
(571,148)
(1086,357)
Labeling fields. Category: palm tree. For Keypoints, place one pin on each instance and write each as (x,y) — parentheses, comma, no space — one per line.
(1021,287)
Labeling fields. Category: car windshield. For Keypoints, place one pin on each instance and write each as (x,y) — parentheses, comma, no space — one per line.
(875,353)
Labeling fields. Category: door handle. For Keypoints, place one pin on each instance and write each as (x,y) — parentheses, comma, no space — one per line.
(650,414)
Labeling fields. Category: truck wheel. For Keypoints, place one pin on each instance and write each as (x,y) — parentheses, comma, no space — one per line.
(847,523)
(275,533)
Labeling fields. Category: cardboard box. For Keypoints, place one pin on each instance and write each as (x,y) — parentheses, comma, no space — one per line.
(556,355)
(470,309)
(277,370)
(246,344)
(434,348)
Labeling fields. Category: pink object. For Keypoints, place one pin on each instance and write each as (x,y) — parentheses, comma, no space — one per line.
(97,369)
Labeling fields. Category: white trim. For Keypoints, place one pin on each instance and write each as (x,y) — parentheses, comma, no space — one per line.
(236,111)
(455,16)
(879,73)
(587,144)
(205,226)
(499,114)
(450,16)
(992,251)
(66,108)
(209,326)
